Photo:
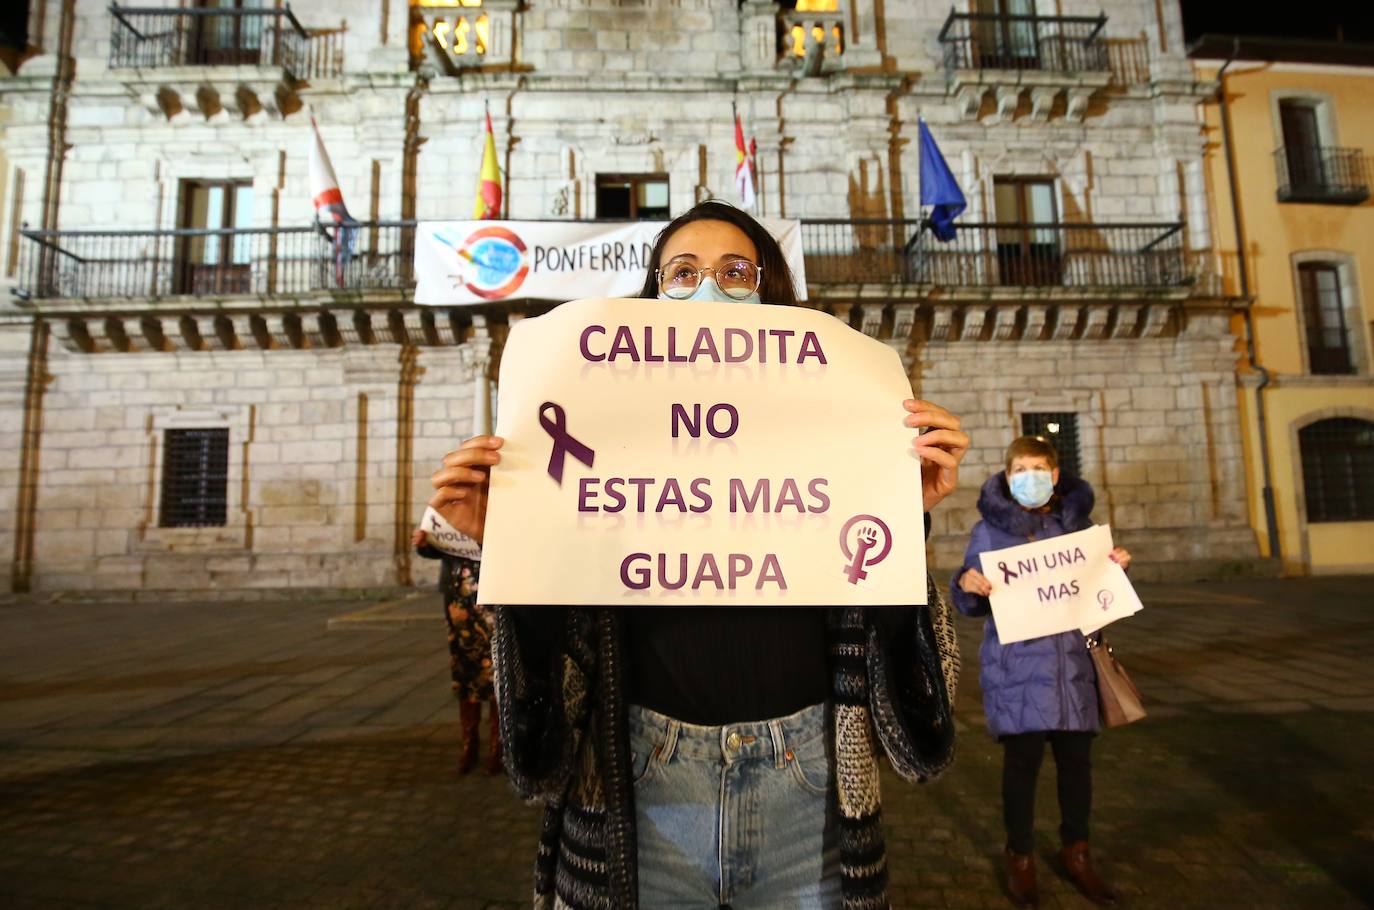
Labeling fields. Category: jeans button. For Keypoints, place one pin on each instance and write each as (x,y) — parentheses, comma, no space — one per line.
(732,742)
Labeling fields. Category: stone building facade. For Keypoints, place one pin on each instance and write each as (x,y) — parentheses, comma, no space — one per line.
(170,306)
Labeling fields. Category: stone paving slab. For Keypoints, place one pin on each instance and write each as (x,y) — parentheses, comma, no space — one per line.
(254,754)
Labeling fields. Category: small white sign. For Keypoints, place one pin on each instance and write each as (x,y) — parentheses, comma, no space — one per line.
(445,538)
(676,453)
(1055,585)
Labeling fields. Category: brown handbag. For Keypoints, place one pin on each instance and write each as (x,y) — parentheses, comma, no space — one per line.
(1118,700)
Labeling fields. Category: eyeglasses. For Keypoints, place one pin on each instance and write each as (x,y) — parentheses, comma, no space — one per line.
(738,278)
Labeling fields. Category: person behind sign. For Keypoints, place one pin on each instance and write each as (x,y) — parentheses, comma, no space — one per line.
(709,757)
(469,655)
(1043,689)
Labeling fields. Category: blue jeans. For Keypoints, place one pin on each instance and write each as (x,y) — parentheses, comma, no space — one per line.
(741,815)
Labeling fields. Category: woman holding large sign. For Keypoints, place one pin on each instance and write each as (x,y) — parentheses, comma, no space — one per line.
(1042,689)
(712,756)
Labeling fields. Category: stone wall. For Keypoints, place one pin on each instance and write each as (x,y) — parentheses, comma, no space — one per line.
(314,473)
(1157,427)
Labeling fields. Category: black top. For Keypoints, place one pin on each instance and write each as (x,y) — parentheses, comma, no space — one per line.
(715,666)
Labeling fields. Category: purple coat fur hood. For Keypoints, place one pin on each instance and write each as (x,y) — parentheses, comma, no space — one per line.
(1045,683)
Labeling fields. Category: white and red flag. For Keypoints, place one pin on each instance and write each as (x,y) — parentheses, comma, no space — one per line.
(329,204)
(744,166)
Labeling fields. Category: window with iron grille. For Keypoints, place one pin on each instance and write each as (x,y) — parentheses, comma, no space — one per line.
(1061,429)
(1328,342)
(1338,469)
(195,478)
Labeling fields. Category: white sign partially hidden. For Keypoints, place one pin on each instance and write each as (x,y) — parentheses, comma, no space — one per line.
(460,262)
(445,538)
(1057,585)
(683,453)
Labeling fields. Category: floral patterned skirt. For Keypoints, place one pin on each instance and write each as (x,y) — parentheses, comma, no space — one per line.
(469,642)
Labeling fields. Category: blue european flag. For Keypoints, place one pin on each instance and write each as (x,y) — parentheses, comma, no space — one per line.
(939,188)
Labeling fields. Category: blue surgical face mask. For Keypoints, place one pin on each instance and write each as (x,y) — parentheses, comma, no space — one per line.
(1032,489)
(709,290)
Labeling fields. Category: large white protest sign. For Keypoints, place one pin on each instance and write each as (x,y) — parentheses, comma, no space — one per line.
(480,261)
(1056,585)
(684,453)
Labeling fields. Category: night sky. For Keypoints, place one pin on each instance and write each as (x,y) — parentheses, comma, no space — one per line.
(1327,20)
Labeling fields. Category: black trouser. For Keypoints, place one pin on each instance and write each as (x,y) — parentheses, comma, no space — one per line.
(1020,767)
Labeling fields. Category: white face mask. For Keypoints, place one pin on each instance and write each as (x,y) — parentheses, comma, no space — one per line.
(1032,489)
(710,291)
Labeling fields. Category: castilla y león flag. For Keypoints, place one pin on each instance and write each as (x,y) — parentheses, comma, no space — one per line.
(744,167)
(488,203)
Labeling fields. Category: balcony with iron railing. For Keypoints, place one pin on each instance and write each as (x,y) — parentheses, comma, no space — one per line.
(207,59)
(1060,44)
(1322,174)
(1044,259)
(153,38)
(227,262)
(1046,57)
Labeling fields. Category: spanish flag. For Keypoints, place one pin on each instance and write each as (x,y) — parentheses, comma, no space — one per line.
(488,203)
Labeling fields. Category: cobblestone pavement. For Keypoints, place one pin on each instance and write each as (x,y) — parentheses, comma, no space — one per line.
(257,755)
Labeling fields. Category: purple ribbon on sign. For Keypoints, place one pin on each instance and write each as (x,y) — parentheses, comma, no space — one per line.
(1007,574)
(563,442)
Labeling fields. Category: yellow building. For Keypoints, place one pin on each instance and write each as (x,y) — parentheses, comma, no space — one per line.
(1289,137)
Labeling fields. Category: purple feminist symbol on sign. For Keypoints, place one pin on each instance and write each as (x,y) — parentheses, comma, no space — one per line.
(872,542)
(1105,598)
(563,442)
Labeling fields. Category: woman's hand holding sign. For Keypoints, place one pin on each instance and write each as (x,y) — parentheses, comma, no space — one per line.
(941,447)
(975,582)
(461,484)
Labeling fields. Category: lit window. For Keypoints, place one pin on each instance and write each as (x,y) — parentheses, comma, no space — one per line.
(457,33)
(818,21)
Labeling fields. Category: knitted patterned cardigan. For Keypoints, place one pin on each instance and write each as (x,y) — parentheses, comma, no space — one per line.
(565,730)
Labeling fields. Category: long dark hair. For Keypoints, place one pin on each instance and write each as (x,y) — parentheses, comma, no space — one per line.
(776,285)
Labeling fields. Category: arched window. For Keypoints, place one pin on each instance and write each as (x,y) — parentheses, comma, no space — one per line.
(1338,469)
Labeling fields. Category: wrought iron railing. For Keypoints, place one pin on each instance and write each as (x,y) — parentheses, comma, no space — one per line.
(1321,173)
(152,38)
(975,41)
(273,262)
(995,255)
(263,262)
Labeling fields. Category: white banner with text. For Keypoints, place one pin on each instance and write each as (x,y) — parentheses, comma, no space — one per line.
(460,262)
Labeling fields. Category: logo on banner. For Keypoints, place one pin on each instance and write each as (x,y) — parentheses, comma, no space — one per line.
(494,261)
(867,545)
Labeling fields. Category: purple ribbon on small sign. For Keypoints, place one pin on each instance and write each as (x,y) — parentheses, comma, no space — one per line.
(564,443)
(1007,574)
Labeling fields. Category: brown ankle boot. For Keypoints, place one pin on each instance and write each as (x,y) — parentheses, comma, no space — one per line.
(1021,879)
(494,765)
(470,716)
(1079,866)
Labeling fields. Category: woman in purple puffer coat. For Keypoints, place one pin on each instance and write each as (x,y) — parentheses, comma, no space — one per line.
(1040,690)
